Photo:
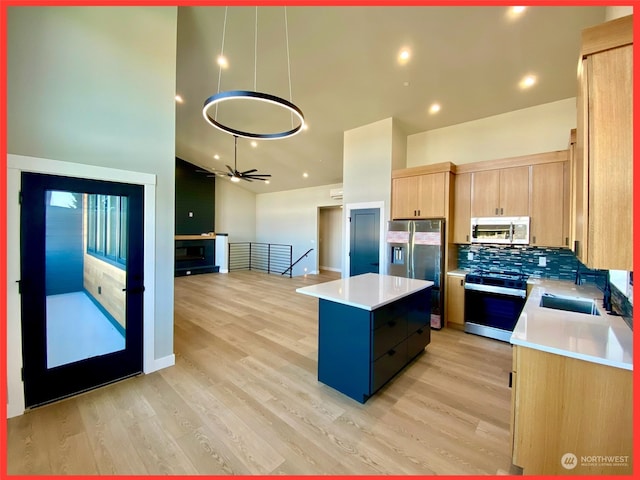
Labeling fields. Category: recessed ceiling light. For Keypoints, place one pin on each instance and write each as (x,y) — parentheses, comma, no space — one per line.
(178,99)
(406,84)
(267,182)
(305,126)
(222,61)
(435,108)
(216,156)
(515,12)
(404,56)
(254,144)
(305,174)
(527,81)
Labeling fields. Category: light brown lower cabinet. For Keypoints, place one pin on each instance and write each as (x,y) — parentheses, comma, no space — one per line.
(455,301)
(570,416)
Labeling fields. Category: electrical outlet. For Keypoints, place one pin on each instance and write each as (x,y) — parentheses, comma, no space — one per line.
(542,261)
(99,290)
(470,256)
(190,214)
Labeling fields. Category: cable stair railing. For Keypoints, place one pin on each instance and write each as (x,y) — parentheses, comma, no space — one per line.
(266,257)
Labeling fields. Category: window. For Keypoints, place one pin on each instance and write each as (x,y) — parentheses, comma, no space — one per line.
(107,227)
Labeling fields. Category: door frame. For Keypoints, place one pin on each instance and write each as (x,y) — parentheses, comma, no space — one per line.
(380,206)
(16,164)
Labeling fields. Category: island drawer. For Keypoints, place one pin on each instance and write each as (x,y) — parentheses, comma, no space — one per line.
(417,341)
(389,313)
(387,336)
(388,365)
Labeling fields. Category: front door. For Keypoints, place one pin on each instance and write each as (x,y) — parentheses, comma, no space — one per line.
(81,283)
(364,253)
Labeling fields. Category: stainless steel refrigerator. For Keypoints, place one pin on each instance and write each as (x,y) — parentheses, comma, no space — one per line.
(416,250)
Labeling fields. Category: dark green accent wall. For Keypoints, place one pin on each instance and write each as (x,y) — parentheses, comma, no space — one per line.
(195,192)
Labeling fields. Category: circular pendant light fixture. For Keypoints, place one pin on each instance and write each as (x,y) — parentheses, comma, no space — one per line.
(213,101)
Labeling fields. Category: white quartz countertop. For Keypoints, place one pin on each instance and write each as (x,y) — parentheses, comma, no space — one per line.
(603,338)
(367,291)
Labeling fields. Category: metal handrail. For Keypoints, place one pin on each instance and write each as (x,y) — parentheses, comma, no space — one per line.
(290,269)
(267,257)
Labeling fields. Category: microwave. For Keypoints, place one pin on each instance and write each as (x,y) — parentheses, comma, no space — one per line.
(500,230)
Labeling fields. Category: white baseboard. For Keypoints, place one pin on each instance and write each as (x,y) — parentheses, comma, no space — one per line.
(224,270)
(331,269)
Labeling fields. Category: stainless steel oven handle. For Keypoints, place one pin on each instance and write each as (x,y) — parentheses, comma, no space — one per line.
(494,289)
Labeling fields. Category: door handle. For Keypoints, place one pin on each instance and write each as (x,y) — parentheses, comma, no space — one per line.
(134,289)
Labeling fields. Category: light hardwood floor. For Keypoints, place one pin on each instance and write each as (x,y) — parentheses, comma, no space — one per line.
(243,398)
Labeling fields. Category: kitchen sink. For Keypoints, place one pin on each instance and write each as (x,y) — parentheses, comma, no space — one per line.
(570,304)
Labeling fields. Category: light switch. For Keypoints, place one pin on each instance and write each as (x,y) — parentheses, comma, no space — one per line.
(470,256)
(190,214)
(542,261)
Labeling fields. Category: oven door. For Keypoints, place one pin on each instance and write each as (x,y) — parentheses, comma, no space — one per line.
(492,311)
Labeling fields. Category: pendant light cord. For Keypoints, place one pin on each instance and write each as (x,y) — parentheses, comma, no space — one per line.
(286,31)
(224,31)
(255,55)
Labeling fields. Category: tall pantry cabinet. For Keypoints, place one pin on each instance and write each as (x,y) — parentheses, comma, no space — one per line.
(603,197)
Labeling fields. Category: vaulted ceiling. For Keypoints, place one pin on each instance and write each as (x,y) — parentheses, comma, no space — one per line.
(345,73)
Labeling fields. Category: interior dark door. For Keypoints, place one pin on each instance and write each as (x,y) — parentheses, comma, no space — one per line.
(81,261)
(364,253)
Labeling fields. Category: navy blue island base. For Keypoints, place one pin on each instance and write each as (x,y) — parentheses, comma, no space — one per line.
(361,350)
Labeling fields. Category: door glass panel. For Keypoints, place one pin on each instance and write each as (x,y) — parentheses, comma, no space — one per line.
(85,263)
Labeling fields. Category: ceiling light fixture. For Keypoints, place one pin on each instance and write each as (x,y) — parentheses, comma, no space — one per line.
(518,10)
(254,95)
(527,81)
(435,108)
(178,99)
(216,157)
(404,56)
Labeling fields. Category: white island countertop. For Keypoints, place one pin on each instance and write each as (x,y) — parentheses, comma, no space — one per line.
(603,339)
(367,291)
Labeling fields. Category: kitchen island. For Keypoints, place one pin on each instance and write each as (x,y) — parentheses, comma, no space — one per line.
(370,327)
(572,397)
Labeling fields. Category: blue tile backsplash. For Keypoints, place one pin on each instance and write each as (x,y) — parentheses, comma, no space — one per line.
(562,264)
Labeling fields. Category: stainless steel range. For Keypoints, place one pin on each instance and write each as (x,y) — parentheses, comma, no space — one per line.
(493,301)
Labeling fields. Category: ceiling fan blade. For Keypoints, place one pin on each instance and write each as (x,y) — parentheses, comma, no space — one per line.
(230,169)
(256,175)
(250,171)
(247,179)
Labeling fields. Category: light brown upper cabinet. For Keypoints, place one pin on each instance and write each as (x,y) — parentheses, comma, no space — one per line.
(500,192)
(603,220)
(549,205)
(462,208)
(420,196)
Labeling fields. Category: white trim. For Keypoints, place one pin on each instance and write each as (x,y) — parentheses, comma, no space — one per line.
(331,269)
(16,164)
(347,235)
(164,362)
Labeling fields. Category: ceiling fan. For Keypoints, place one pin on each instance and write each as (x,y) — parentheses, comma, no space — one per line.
(247,175)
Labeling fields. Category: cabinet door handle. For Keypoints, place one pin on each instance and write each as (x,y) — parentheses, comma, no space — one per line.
(461,282)
(392,323)
(502,211)
(534,239)
(391,352)
(467,238)
(566,241)
(510,379)
(496,210)
(420,331)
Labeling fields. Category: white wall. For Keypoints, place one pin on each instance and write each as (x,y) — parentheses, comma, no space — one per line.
(291,218)
(612,13)
(330,239)
(95,86)
(538,129)
(235,212)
